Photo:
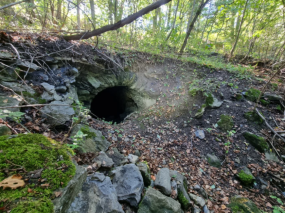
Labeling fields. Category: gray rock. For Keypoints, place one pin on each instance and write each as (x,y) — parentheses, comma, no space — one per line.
(116,156)
(74,71)
(256,141)
(61,89)
(62,203)
(179,178)
(94,141)
(239,203)
(162,181)
(174,188)
(216,103)
(97,196)
(201,191)
(271,156)
(103,160)
(50,89)
(133,158)
(10,101)
(272,96)
(137,153)
(183,197)
(4,130)
(145,173)
(27,65)
(6,55)
(213,160)
(205,209)
(200,112)
(200,134)
(128,183)
(156,202)
(197,200)
(58,115)
(98,176)
(196,209)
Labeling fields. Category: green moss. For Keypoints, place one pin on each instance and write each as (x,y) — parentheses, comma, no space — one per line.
(258,142)
(243,205)
(201,111)
(252,94)
(193,91)
(86,131)
(33,152)
(254,117)
(238,96)
(36,96)
(225,123)
(209,99)
(264,102)
(245,178)
(183,201)
(274,86)
(43,205)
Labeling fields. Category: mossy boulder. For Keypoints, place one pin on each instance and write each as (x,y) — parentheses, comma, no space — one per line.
(225,123)
(145,172)
(245,176)
(256,141)
(254,117)
(214,160)
(29,154)
(183,198)
(4,130)
(252,94)
(201,111)
(243,205)
(94,141)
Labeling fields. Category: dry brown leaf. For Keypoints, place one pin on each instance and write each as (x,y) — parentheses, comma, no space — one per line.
(57,194)
(223,207)
(30,190)
(12,182)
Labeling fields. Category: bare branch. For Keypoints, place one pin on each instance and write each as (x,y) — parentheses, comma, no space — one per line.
(119,24)
(12,4)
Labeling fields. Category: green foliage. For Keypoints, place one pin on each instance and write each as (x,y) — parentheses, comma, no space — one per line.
(264,102)
(33,152)
(43,205)
(252,94)
(245,178)
(254,117)
(209,99)
(225,123)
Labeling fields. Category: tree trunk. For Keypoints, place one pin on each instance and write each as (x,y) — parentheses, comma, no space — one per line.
(238,34)
(191,26)
(78,15)
(169,15)
(155,19)
(174,21)
(191,16)
(92,8)
(110,4)
(58,14)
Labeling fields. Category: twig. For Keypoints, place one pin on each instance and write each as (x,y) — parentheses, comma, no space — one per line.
(111,60)
(273,146)
(5,122)
(29,68)
(18,55)
(33,105)
(261,116)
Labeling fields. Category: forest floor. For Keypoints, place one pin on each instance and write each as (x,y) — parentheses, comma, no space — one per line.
(164,134)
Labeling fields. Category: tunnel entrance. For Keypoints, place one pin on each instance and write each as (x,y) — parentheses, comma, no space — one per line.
(113,104)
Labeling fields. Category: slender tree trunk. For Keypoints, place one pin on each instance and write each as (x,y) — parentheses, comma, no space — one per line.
(191,15)
(110,4)
(169,15)
(238,34)
(58,13)
(202,5)
(278,52)
(173,23)
(155,18)
(92,8)
(78,15)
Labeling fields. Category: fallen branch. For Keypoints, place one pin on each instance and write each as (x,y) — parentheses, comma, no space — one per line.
(13,130)
(267,124)
(18,55)
(119,24)
(33,105)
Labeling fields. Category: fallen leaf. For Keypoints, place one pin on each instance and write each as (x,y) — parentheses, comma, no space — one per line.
(30,190)
(223,207)
(12,182)
(57,194)
(152,177)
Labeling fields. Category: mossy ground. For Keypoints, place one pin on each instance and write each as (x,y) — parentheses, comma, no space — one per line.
(225,123)
(33,152)
(243,205)
(245,178)
(254,117)
(258,142)
(252,94)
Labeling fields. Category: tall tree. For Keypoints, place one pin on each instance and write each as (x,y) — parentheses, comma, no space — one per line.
(92,8)
(191,26)
(174,21)
(239,30)
(78,15)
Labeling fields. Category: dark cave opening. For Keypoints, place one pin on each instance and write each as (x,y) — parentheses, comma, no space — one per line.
(113,104)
